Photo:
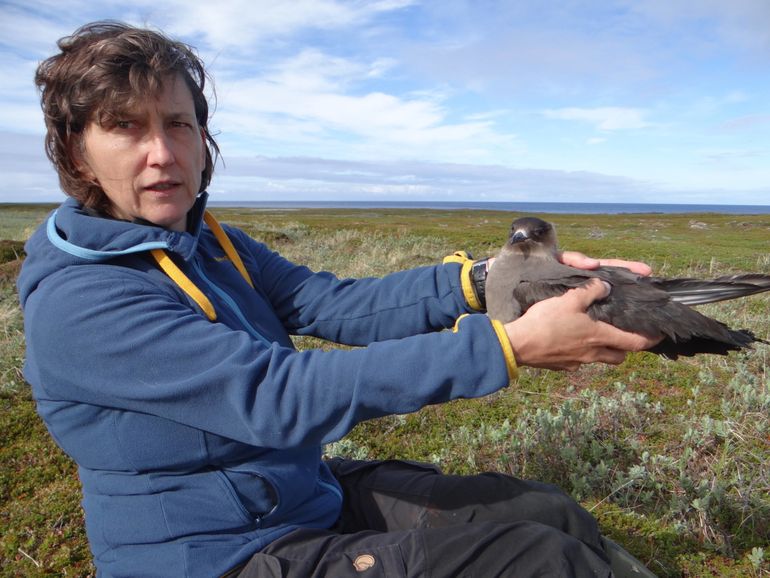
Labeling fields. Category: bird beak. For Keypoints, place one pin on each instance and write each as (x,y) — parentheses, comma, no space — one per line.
(517,237)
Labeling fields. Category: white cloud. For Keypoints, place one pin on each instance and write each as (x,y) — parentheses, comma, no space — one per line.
(403,180)
(307,99)
(381,66)
(30,31)
(749,122)
(607,118)
(241,23)
(730,159)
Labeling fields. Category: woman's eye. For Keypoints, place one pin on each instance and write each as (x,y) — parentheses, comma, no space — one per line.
(124,124)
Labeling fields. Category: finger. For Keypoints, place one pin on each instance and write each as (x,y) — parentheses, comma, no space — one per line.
(611,355)
(564,365)
(637,267)
(624,340)
(578,260)
(594,290)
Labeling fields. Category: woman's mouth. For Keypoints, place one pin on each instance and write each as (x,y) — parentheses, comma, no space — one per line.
(162,187)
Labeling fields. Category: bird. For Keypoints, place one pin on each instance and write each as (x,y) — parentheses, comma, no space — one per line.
(527,270)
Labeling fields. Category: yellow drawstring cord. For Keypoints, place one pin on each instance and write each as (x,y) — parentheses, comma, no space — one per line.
(227,245)
(177,276)
(183,281)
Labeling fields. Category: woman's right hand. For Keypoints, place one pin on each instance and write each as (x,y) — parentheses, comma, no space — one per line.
(557,333)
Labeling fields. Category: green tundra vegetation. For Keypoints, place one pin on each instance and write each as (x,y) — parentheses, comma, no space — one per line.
(671,457)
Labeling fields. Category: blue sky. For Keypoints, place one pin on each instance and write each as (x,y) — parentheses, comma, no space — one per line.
(445,100)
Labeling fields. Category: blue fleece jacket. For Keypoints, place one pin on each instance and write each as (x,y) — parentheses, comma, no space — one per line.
(199,442)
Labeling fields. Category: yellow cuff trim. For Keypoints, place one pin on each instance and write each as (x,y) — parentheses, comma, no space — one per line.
(169,268)
(505,343)
(469,293)
(456,328)
(457,257)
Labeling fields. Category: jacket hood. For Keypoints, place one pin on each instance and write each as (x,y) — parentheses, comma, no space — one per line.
(71,235)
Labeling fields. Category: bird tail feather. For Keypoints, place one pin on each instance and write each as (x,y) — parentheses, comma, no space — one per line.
(698,292)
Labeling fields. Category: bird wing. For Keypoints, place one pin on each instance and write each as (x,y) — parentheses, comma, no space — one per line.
(700,291)
(530,291)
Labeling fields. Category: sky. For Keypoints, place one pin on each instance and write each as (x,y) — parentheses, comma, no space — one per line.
(641,101)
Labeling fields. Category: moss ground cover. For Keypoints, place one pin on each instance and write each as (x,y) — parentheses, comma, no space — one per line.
(670,456)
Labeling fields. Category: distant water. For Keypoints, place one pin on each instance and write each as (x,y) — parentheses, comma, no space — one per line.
(569,208)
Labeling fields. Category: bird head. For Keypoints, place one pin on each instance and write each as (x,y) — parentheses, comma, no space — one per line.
(530,234)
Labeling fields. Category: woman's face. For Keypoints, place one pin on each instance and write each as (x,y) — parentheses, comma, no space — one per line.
(149,160)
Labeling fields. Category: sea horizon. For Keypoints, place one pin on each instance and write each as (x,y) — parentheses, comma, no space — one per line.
(513,206)
(507,206)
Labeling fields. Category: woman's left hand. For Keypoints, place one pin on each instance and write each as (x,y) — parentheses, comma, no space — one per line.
(580,261)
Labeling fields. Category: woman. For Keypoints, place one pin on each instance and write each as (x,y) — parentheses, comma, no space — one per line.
(159,354)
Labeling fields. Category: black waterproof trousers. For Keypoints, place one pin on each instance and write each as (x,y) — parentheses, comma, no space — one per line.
(404,519)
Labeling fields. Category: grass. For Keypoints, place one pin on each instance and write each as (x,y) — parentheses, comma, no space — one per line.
(671,457)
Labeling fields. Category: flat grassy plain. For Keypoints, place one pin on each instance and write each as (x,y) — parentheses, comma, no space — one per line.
(672,457)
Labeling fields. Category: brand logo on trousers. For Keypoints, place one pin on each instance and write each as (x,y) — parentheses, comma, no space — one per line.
(363,562)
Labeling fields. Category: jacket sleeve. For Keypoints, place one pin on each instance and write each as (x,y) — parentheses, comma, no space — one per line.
(109,338)
(356,311)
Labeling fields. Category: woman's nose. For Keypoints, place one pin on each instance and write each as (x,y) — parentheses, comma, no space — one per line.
(160,150)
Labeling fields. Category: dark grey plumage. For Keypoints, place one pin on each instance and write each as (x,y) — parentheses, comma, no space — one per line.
(527,270)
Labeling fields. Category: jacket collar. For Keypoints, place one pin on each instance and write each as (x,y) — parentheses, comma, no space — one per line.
(78,232)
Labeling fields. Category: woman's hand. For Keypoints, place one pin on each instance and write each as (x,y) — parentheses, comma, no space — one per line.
(557,333)
(580,261)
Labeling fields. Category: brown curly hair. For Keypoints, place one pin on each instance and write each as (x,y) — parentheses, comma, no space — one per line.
(104,68)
